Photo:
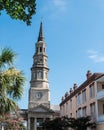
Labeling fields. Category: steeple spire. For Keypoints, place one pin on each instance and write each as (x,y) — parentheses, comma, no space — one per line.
(41,37)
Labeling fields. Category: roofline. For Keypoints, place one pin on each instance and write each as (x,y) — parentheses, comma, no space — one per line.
(94,77)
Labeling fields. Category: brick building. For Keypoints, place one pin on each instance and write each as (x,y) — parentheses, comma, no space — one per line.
(87,99)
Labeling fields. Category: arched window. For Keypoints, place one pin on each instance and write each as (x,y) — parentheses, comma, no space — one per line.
(40,75)
(37,50)
(46,75)
(34,75)
(40,49)
(46,61)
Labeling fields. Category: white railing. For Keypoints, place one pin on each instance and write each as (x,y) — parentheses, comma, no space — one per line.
(100,94)
(100,118)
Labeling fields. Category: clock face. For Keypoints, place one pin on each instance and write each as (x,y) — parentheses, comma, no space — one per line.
(38,95)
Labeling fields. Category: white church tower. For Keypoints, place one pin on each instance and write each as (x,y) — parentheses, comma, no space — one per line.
(39,85)
(39,93)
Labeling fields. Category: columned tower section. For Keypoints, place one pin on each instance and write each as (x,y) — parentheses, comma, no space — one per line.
(39,93)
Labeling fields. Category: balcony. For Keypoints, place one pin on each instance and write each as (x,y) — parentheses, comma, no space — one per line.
(100,94)
(100,118)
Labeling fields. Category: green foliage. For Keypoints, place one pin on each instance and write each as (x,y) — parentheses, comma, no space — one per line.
(81,123)
(56,124)
(6,105)
(11,82)
(12,121)
(62,123)
(6,57)
(19,9)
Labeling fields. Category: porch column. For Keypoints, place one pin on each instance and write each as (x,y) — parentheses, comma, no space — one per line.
(35,123)
(97,110)
(2,127)
(96,91)
(28,124)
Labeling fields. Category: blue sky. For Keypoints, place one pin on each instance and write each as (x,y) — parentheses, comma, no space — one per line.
(74,33)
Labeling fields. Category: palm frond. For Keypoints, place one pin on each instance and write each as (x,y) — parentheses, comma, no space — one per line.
(7,105)
(7,57)
(15,83)
(11,81)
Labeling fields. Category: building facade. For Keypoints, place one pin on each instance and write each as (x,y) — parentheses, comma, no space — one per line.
(39,92)
(86,100)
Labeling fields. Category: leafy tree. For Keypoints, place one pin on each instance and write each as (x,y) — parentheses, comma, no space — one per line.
(81,123)
(19,9)
(12,121)
(11,82)
(62,123)
(55,124)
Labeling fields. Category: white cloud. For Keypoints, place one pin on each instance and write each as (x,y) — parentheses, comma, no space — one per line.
(60,4)
(56,7)
(96,56)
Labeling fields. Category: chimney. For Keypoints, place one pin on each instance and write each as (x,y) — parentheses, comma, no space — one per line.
(66,94)
(71,90)
(75,86)
(62,98)
(89,74)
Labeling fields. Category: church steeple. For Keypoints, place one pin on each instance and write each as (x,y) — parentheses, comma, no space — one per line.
(39,92)
(39,84)
(41,37)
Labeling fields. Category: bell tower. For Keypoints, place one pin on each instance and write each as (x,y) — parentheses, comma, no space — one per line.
(39,93)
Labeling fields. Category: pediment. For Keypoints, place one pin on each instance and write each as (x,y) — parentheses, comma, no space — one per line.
(42,109)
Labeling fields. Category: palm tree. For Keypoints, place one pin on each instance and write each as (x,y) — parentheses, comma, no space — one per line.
(11,82)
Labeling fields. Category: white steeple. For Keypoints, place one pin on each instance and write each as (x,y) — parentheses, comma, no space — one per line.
(39,92)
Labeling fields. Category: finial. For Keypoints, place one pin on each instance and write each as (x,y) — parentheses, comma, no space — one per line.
(41,18)
(41,37)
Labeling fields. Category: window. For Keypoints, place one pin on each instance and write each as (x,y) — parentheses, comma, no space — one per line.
(39,121)
(40,75)
(92,109)
(79,100)
(40,49)
(46,61)
(70,104)
(66,108)
(70,114)
(76,101)
(84,96)
(102,86)
(84,111)
(46,75)
(103,108)
(76,114)
(92,92)
(79,113)
(36,49)
(34,75)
